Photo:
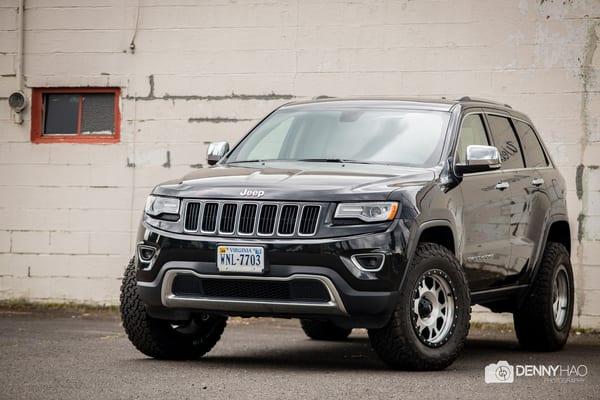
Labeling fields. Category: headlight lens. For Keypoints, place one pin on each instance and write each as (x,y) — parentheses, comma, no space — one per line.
(156,205)
(368,212)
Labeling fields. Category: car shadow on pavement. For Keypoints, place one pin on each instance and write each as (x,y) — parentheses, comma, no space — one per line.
(353,354)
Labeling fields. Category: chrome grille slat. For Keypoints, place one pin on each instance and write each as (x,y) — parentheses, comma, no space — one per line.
(287,219)
(228,218)
(192,217)
(251,218)
(266,224)
(246,220)
(209,217)
(308,220)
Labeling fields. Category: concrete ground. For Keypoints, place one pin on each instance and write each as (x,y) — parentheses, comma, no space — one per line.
(79,356)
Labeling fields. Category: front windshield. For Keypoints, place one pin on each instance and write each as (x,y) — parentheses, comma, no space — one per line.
(382,136)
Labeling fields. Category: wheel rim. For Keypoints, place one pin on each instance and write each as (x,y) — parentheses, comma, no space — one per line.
(433,308)
(560,296)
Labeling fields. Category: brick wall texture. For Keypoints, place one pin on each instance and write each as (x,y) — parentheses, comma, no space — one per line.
(207,70)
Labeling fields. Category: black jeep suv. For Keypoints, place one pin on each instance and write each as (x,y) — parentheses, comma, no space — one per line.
(394,215)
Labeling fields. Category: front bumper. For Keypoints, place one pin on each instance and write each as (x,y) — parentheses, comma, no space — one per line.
(356,298)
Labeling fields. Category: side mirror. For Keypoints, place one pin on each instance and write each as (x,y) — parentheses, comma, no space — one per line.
(479,159)
(216,151)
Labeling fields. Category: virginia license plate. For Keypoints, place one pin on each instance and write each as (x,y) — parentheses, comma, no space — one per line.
(241,259)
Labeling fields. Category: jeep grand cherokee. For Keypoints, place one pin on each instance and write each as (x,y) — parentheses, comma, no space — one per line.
(394,215)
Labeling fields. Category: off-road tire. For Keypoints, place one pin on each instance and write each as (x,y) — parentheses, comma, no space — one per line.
(158,338)
(534,320)
(398,343)
(324,330)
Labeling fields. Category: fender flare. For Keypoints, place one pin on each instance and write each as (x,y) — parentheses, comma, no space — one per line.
(415,238)
(540,253)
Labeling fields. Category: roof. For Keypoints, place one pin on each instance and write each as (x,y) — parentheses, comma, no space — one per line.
(438,104)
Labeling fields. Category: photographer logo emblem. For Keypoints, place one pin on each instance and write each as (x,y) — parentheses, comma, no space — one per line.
(500,372)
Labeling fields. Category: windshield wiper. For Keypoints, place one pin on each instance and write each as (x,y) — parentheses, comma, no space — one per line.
(334,160)
(246,161)
(329,160)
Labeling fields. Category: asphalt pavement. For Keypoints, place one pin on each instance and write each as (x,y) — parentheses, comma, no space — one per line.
(80,356)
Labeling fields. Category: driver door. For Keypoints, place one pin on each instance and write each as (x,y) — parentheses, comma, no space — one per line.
(486,211)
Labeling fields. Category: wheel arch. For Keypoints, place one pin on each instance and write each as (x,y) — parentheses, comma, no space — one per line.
(557,230)
(439,231)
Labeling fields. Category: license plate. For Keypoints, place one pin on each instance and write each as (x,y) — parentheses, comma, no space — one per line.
(241,259)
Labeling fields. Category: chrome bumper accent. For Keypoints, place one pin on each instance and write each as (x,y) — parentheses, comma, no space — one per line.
(333,307)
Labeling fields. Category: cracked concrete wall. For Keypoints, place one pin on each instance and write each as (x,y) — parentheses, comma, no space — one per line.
(203,71)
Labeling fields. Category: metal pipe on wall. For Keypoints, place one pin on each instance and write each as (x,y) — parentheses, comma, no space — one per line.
(20,42)
(17,100)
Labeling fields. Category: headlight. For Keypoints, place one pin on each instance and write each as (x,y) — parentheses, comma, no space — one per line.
(368,212)
(156,205)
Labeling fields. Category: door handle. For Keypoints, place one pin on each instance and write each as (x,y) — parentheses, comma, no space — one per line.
(502,185)
(537,182)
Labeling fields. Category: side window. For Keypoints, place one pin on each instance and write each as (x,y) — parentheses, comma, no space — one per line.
(472,131)
(506,141)
(534,154)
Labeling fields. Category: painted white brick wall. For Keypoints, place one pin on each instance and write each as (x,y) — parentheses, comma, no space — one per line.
(203,71)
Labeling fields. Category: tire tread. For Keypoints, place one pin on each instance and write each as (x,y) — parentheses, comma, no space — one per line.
(395,345)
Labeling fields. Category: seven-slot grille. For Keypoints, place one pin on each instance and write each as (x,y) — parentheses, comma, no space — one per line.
(251,218)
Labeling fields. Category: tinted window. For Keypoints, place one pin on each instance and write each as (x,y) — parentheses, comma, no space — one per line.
(534,155)
(506,141)
(472,131)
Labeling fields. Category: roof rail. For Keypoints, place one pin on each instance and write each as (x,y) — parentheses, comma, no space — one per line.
(322,97)
(478,100)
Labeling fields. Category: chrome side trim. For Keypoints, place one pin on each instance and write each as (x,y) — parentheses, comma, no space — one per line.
(333,307)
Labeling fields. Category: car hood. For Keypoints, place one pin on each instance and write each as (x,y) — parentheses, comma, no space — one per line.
(296,181)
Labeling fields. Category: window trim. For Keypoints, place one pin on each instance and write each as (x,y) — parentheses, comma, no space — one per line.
(37,135)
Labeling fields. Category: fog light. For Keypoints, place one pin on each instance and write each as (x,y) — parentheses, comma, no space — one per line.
(146,253)
(370,262)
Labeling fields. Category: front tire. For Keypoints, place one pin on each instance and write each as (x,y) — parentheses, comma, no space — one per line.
(324,330)
(543,321)
(430,323)
(163,339)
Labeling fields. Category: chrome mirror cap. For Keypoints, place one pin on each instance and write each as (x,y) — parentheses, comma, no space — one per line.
(216,151)
(487,156)
(479,159)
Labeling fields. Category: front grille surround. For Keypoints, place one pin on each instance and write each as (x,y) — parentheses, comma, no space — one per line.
(265,218)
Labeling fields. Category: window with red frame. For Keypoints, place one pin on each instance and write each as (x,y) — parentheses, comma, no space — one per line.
(74,115)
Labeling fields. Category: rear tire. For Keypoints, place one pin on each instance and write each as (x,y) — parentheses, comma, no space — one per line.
(543,321)
(430,323)
(324,330)
(164,339)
